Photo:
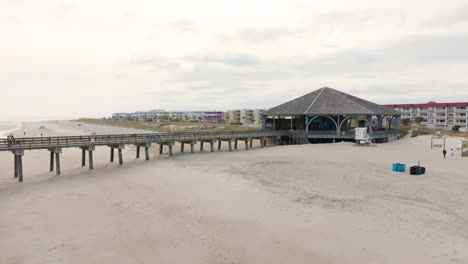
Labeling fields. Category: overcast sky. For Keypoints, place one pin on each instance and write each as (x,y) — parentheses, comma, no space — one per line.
(92,58)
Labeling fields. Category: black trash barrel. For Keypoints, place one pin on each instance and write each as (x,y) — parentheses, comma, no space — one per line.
(422,170)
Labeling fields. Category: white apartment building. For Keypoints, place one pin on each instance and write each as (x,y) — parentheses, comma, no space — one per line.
(245,116)
(162,115)
(438,115)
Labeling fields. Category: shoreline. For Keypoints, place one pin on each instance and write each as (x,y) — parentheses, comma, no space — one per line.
(4,133)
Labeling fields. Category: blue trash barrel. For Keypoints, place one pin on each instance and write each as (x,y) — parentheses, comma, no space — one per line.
(402,167)
(395,167)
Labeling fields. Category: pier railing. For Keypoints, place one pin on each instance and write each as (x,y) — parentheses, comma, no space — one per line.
(350,134)
(28,143)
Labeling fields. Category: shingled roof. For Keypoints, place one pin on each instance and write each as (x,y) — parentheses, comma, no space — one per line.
(328,101)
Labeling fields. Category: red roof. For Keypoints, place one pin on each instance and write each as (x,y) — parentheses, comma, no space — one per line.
(429,104)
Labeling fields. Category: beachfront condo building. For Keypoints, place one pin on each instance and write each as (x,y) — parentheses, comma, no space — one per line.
(162,115)
(245,116)
(437,115)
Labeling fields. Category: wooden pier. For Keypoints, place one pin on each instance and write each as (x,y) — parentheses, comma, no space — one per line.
(88,143)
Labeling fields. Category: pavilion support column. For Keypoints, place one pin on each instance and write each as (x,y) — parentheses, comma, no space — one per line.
(235,144)
(212,146)
(274,123)
(138,152)
(83,157)
(397,122)
(369,120)
(161,149)
(251,142)
(379,121)
(264,117)
(201,146)
(246,144)
(307,124)
(147,152)
(230,145)
(338,127)
(262,143)
(182,147)
(219,144)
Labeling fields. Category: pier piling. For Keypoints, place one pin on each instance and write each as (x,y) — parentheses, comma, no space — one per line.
(112,154)
(87,143)
(120,147)
(57,163)
(51,161)
(20,167)
(83,157)
(16,166)
(90,157)
(91,164)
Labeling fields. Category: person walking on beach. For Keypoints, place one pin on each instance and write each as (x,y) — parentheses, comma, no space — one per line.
(444,152)
(452,153)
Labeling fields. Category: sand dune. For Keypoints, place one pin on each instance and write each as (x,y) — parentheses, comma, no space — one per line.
(327,203)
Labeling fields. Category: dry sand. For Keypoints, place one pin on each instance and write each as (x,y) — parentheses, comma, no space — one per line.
(323,203)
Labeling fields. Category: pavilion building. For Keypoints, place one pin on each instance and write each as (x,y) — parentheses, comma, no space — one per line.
(327,115)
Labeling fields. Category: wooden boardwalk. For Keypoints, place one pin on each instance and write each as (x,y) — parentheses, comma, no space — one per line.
(87,143)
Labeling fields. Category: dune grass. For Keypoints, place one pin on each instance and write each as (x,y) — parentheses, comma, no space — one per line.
(173,126)
(421,130)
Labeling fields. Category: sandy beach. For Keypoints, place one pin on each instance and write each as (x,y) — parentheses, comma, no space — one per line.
(318,203)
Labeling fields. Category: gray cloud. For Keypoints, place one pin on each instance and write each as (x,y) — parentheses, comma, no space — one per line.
(459,16)
(156,62)
(256,35)
(226,59)
(412,52)
(153,54)
(183,25)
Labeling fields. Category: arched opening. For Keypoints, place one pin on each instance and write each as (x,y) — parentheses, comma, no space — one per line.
(345,124)
(322,123)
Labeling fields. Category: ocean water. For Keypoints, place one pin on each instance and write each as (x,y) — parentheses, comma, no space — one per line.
(6,128)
